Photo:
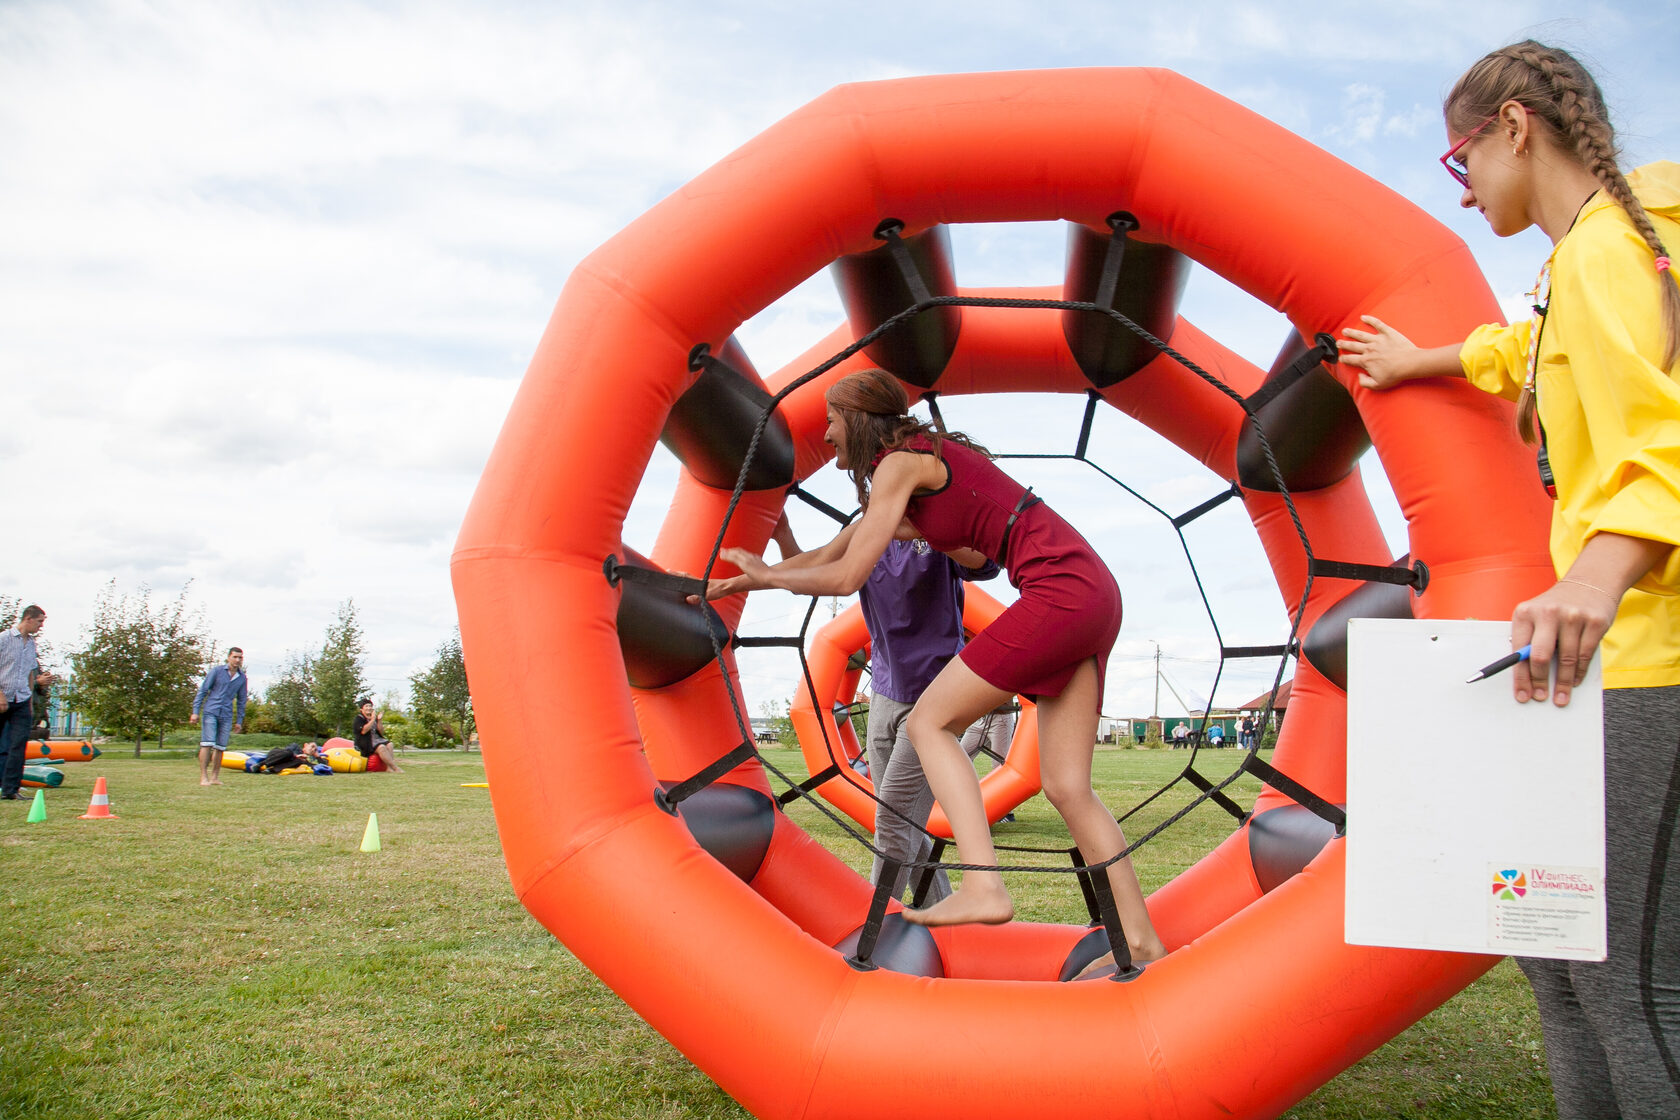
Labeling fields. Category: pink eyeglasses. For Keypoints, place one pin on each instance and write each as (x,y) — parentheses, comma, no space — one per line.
(1455,167)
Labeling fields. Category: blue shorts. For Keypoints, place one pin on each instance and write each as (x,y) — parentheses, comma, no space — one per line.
(214,729)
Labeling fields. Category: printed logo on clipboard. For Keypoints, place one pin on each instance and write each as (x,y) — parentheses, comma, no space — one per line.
(1544,909)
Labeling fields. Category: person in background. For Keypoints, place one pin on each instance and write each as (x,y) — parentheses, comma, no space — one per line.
(289,756)
(222,689)
(912,606)
(1595,374)
(369,737)
(20,673)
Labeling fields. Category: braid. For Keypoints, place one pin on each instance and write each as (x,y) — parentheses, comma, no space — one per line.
(1560,92)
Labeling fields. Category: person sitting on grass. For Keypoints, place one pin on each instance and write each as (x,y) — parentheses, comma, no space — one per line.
(370,739)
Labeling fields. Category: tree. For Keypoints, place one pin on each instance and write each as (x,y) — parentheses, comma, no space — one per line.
(290,701)
(339,677)
(140,668)
(442,706)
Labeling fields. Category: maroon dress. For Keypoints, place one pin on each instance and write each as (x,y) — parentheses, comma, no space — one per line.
(1069,609)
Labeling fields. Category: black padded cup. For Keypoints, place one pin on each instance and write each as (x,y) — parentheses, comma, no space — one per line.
(710,426)
(873,289)
(663,637)
(732,823)
(1150,284)
(902,947)
(1283,840)
(1325,646)
(1315,431)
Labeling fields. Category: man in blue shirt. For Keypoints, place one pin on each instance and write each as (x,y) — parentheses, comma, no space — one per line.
(19,672)
(222,687)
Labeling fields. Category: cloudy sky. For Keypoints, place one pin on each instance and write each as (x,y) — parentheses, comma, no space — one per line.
(270,273)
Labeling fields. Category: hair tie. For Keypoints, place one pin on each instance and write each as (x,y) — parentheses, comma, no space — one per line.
(1663,264)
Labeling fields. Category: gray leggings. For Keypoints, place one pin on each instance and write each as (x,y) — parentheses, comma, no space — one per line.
(1613,1027)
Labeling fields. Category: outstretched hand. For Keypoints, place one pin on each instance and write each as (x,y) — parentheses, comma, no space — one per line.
(754,575)
(1383,356)
(1564,624)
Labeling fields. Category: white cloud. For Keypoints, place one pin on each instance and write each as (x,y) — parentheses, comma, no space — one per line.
(270,274)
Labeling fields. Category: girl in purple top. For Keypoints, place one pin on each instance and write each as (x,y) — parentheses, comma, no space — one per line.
(915,482)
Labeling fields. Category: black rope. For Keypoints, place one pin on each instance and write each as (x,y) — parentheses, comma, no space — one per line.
(888,231)
(794,641)
(931,397)
(1110,914)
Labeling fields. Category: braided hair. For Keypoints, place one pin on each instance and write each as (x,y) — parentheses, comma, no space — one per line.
(876,412)
(1560,93)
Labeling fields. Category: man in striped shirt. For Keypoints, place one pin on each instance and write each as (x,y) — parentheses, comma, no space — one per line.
(19,672)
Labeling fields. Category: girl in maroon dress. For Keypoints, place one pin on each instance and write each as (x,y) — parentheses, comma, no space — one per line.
(1051,645)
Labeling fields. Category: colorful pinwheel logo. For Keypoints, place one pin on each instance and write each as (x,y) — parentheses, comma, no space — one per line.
(1510,885)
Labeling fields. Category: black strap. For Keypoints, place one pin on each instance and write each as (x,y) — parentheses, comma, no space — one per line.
(1231,653)
(1323,352)
(1123,967)
(794,793)
(1120,223)
(933,409)
(1415,577)
(819,505)
(669,799)
(1211,504)
(1297,792)
(1091,399)
(617,570)
(888,231)
(1027,501)
(924,881)
(1084,880)
(1216,796)
(871,932)
(758,643)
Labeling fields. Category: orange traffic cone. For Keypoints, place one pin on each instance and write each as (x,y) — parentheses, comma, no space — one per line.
(99,808)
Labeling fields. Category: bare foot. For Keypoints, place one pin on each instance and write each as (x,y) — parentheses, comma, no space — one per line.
(1141,954)
(204,781)
(215,781)
(970,904)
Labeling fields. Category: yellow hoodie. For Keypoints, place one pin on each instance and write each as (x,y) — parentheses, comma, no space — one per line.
(1610,411)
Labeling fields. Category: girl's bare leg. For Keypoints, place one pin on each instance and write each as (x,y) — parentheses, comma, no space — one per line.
(1067,736)
(955,699)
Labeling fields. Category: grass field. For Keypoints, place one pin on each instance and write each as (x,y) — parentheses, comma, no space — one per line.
(229,952)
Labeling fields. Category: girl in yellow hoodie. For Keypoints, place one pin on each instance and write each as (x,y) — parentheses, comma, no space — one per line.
(1594,377)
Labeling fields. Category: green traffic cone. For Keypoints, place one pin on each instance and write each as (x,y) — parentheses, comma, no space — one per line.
(370,838)
(38,810)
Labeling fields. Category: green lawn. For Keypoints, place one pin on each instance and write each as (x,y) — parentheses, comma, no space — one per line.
(229,952)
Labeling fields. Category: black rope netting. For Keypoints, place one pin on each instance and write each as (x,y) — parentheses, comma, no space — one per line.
(1094,886)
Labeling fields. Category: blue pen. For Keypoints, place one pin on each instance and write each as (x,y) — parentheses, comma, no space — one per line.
(1501,665)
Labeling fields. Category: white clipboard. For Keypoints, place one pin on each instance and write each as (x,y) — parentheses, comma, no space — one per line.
(1475,824)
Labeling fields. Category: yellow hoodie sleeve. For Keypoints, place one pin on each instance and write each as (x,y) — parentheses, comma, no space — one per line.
(1495,358)
(1606,310)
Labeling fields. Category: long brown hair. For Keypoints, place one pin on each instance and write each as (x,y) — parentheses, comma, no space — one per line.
(1560,92)
(875,410)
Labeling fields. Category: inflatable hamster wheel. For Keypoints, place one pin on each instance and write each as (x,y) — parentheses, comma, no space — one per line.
(725,925)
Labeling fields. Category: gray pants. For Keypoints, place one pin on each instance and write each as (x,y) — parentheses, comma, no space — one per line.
(1612,1027)
(992,732)
(901,785)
